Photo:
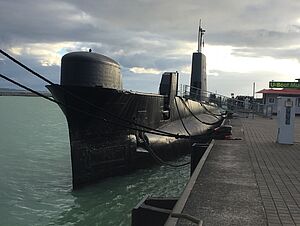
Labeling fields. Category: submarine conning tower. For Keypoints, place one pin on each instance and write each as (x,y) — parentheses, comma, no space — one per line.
(198,75)
(90,69)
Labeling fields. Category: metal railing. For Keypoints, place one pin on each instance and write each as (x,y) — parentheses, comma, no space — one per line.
(246,106)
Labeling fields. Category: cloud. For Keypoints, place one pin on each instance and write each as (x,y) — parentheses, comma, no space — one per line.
(141,70)
(258,38)
(47,54)
(242,36)
(19,74)
(42,21)
(241,83)
(292,52)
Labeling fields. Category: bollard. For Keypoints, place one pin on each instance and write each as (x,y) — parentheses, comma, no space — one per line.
(198,149)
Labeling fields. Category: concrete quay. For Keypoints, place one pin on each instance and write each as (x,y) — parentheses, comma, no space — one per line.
(247,181)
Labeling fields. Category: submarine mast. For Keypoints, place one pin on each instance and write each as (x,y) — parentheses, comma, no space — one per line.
(200,37)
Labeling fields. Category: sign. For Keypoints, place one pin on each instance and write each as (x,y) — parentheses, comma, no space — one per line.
(287,85)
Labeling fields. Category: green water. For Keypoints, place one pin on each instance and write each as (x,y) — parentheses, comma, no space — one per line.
(35,173)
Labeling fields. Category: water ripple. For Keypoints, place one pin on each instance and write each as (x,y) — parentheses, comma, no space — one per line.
(35,174)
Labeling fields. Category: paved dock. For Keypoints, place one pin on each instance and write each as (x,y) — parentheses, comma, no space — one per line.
(277,170)
(253,181)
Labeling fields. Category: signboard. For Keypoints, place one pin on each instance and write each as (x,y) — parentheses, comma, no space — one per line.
(287,85)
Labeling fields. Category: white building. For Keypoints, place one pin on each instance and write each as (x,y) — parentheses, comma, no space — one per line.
(270,97)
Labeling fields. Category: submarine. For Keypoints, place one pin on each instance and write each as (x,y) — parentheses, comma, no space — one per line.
(114,131)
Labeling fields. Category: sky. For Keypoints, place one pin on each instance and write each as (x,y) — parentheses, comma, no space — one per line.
(245,41)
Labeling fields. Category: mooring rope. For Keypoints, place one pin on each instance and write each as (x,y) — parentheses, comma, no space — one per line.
(206,123)
(110,114)
(157,158)
(25,67)
(156,132)
(181,118)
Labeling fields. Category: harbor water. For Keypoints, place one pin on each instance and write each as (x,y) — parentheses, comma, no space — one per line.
(36,180)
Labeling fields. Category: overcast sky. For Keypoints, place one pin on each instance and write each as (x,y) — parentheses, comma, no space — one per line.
(246,41)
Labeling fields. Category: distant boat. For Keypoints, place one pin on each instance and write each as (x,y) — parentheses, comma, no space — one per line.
(114,131)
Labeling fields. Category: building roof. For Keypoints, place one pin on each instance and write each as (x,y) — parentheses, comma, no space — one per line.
(280,91)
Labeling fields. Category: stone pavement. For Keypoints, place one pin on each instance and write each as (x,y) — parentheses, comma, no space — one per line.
(276,168)
(253,181)
(225,191)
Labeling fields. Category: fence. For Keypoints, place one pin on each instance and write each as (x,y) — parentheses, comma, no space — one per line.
(234,105)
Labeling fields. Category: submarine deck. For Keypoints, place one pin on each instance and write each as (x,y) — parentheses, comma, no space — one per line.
(253,181)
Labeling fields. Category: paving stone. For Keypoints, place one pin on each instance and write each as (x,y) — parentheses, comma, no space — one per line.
(280,165)
(275,168)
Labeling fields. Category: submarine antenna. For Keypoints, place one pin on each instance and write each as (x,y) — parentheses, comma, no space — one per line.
(200,37)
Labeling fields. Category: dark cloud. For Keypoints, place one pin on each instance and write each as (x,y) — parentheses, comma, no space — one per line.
(142,33)
(257,38)
(278,53)
(43,21)
(114,22)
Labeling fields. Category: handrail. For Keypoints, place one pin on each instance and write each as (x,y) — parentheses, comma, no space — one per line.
(227,103)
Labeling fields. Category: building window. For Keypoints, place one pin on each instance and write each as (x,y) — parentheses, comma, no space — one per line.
(271,100)
(298,102)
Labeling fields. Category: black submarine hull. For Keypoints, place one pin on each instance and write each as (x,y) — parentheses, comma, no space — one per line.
(103,144)
(113,131)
